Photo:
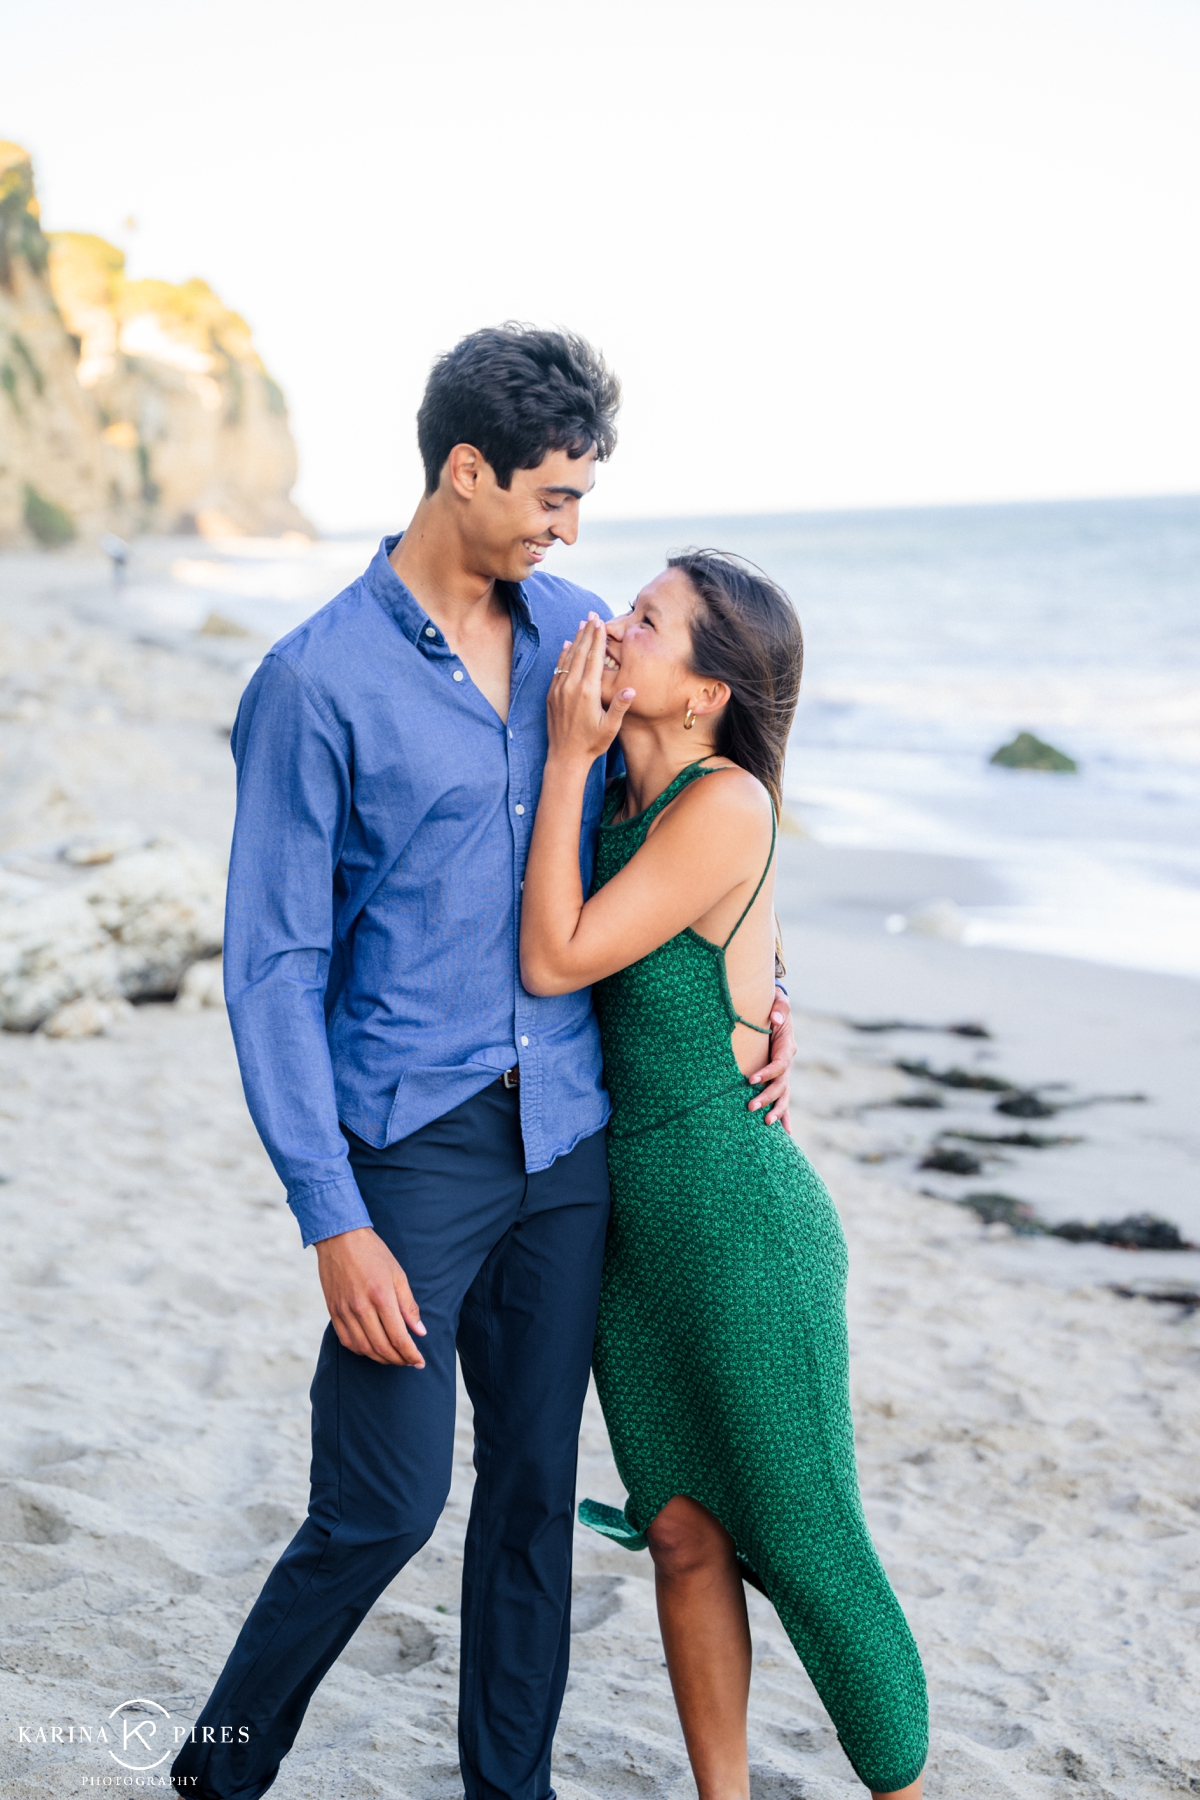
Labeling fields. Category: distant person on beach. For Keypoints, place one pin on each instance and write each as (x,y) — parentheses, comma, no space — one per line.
(721,1345)
(440,1129)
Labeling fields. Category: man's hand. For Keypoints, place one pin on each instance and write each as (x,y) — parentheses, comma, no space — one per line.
(777,1093)
(369,1299)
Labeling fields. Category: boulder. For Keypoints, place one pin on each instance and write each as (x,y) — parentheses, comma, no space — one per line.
(127,930)
(934,918)
(202,986)
(1029,752)
(86,1018)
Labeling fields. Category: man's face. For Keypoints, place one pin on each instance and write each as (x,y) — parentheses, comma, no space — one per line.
(509,530)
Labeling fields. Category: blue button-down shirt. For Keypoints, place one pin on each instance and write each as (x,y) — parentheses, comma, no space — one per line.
(383,821)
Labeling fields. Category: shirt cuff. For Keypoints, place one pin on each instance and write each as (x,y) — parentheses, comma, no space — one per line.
(323,1209)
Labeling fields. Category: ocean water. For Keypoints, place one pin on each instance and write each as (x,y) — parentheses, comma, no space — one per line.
(933,636)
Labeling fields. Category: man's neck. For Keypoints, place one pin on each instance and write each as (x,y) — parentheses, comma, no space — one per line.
(474,619)
(431,561)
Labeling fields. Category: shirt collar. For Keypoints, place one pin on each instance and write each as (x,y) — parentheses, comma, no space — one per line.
(384,583)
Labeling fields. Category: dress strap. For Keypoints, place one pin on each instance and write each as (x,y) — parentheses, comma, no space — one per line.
(754,896)
(684,779)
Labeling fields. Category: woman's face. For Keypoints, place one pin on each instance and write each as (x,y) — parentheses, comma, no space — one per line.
(650,648)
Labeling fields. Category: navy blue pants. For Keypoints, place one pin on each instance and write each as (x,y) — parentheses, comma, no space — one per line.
(506,1268)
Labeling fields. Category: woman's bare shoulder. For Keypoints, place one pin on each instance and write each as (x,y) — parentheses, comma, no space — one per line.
(728,799)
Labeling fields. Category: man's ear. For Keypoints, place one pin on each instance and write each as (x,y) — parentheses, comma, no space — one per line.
(463,468)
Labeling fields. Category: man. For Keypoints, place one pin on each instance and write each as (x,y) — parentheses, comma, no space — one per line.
(440,1132)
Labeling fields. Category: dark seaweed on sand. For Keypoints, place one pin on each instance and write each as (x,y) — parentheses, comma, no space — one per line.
(1003,1209)
(1020,1140)
(1017,1102)
(957,1078)
(1187,1298)
(951,1162)
(969,1028)
(1137,1231)
(1027,1104)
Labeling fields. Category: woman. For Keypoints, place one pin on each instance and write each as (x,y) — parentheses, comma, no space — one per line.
(721,1348)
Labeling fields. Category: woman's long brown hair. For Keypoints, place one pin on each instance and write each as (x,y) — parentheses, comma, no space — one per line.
(745,632)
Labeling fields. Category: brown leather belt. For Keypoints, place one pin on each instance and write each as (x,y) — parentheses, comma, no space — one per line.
(511,1078)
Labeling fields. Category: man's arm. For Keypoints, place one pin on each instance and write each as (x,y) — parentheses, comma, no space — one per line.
(777,1094)
(293,805)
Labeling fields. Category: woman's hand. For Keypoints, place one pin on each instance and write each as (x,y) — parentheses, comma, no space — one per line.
(581,727)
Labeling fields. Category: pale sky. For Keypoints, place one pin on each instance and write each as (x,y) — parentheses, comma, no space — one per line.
(840,252)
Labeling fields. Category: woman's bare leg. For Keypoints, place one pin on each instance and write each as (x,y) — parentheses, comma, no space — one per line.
(706,1635)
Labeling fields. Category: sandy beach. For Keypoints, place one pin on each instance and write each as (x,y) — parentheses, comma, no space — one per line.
(1028,1435)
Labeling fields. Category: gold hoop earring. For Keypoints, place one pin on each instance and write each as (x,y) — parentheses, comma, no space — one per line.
(689,720)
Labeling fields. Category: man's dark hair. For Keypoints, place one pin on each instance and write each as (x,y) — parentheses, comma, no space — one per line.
(516,393)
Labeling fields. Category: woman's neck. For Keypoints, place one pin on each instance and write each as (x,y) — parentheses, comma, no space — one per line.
(654,755)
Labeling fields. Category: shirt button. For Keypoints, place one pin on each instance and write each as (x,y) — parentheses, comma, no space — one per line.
(524,1043)
(458,674)
(519,808)
(429,631)
(510,734)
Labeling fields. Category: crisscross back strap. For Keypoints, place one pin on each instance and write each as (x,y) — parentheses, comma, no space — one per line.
(754,896)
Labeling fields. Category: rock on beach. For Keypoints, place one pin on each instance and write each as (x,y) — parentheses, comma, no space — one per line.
(1027,751)
(127,930)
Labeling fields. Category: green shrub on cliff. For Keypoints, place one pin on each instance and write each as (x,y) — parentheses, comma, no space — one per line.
(22,352)
(51,525)
(20,229)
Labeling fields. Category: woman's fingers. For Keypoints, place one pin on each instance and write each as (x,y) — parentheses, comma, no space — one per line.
(593,671)
(575,710)
(579,648)
(616,712)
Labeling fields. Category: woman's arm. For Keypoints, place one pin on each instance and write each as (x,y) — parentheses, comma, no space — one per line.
(710,841)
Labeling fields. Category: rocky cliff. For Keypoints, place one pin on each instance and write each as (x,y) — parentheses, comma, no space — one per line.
(127,405)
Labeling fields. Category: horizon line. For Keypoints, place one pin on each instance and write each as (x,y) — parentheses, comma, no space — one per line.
(833,511)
